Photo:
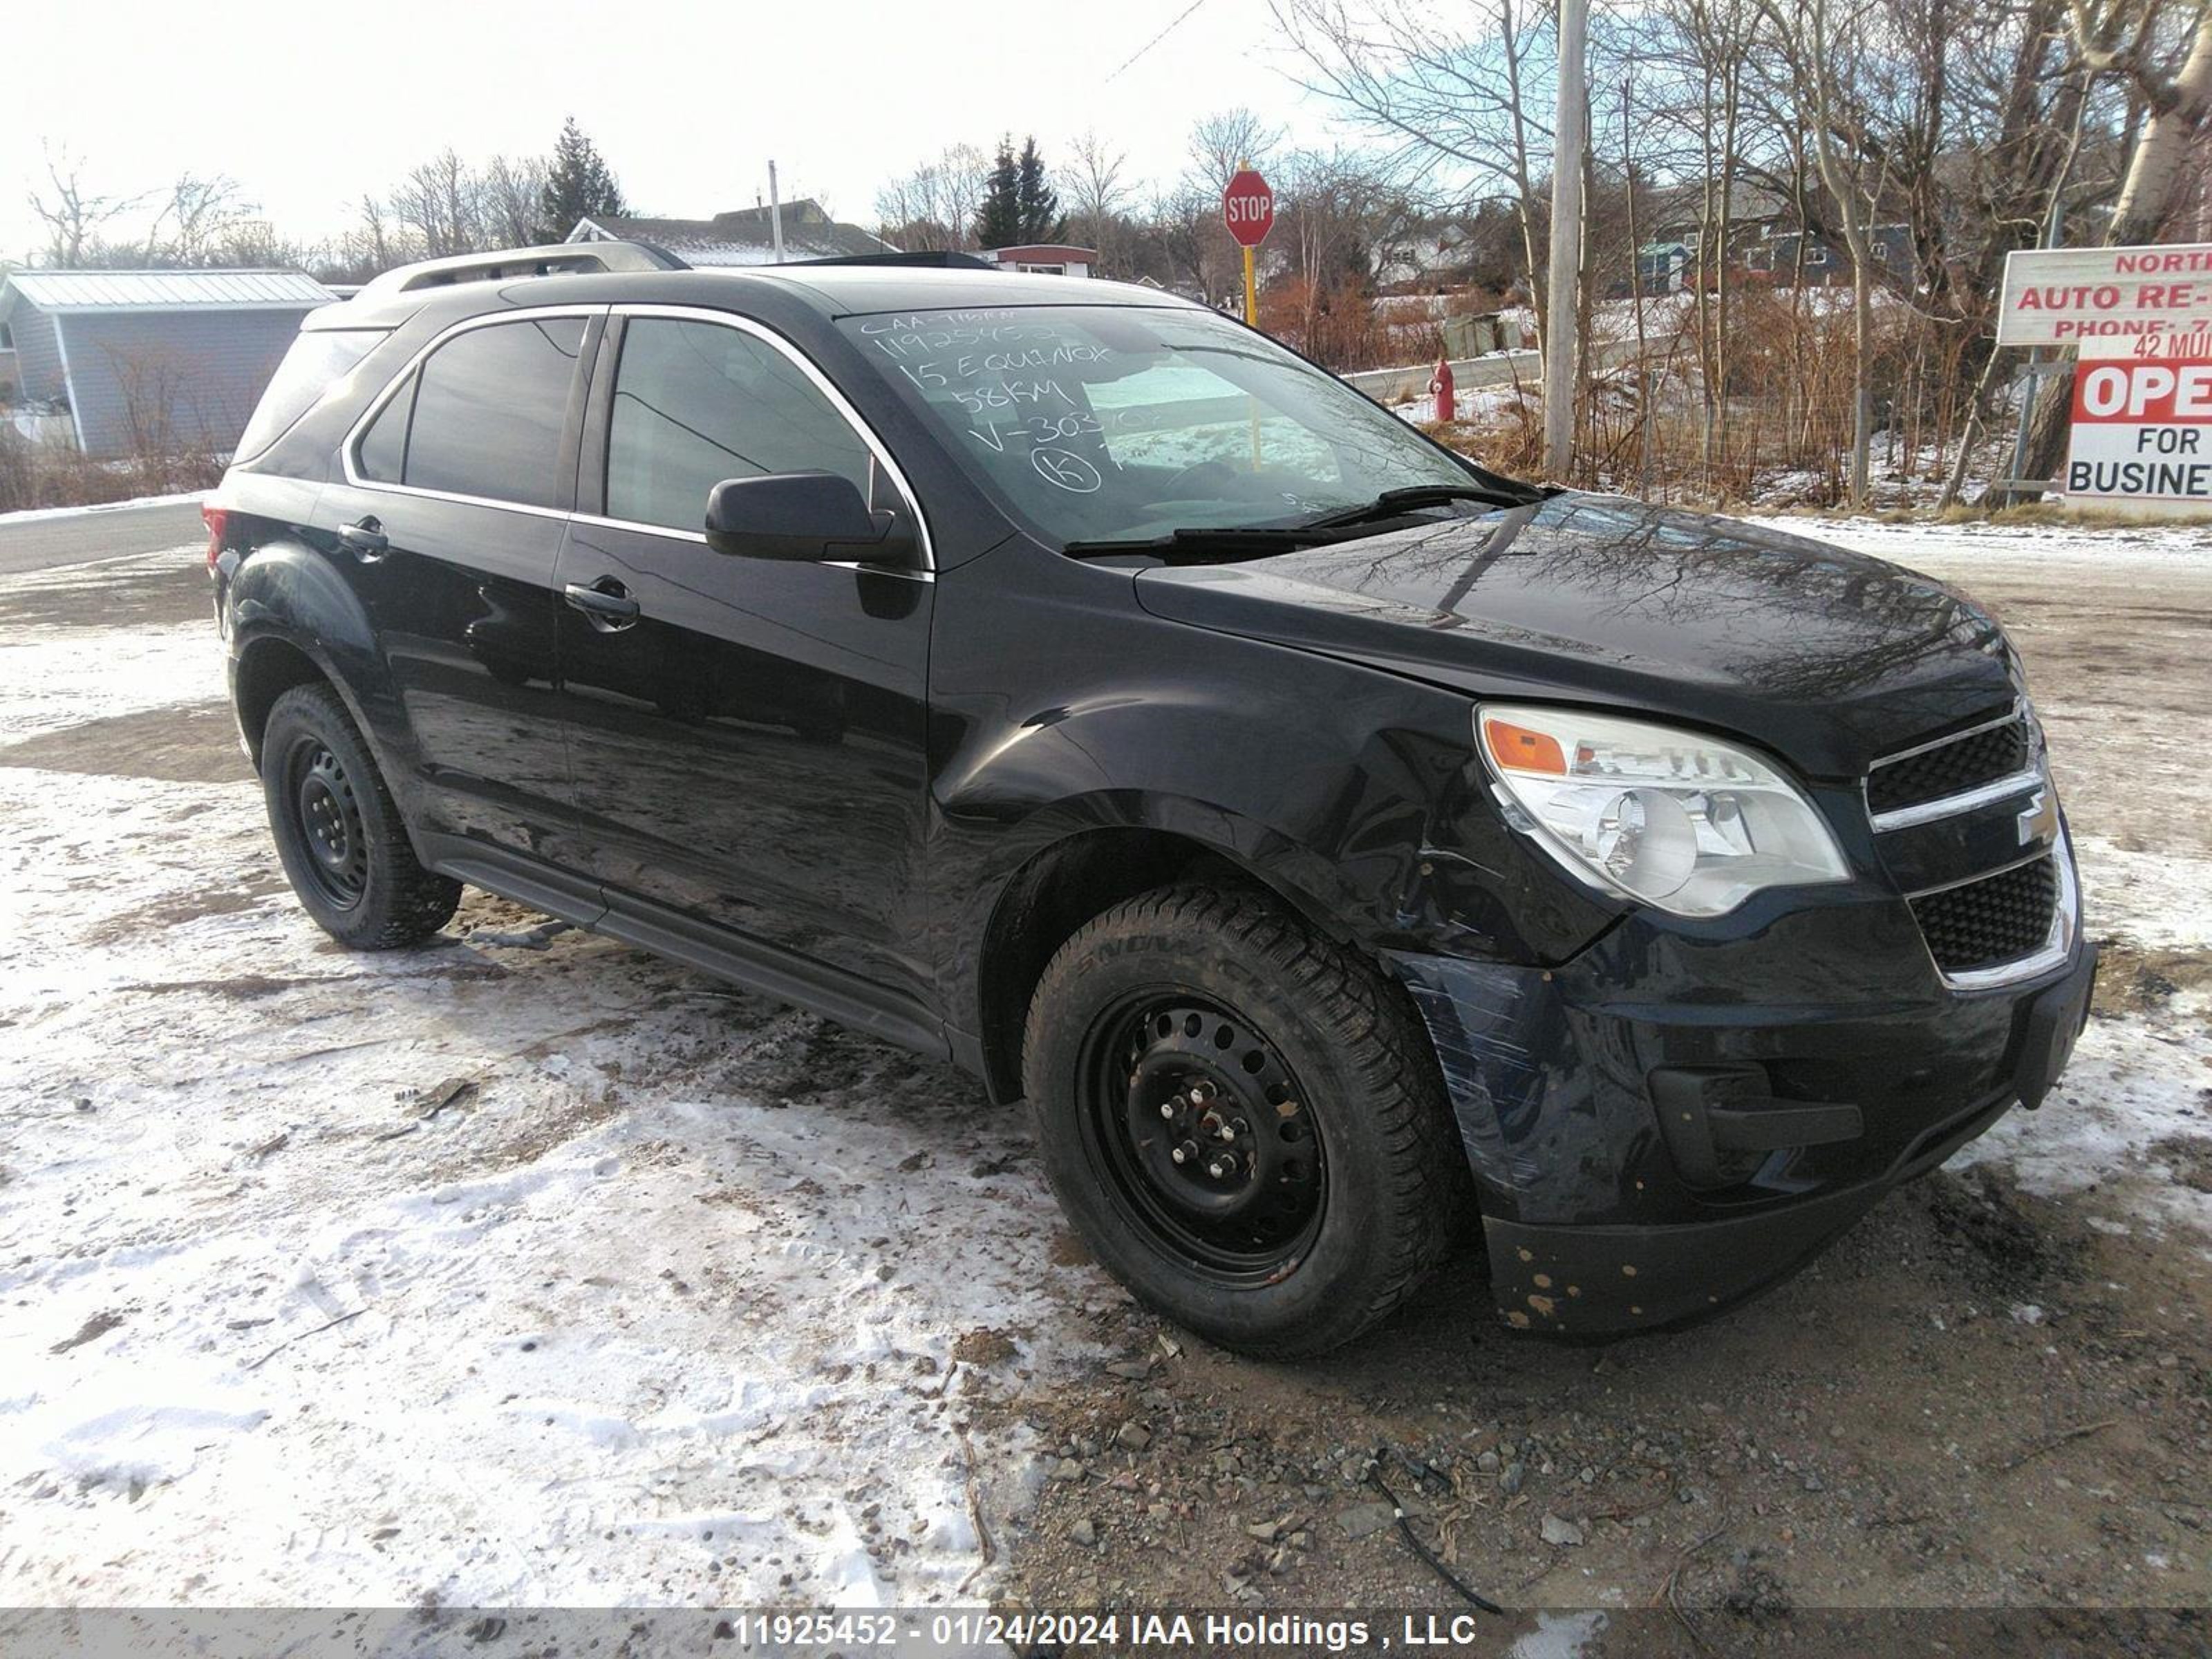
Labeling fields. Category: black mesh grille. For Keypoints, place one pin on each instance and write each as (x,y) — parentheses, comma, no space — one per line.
(1951,768)
(1999,917)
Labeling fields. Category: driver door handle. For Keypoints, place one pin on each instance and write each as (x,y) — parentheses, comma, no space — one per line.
(606,604)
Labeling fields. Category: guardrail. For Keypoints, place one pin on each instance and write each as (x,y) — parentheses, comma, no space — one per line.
(1393,386)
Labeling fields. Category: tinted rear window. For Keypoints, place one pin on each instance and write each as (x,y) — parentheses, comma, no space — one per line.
(489,410)
(315,362)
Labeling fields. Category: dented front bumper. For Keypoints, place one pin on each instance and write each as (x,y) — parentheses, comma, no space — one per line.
(1795,1099)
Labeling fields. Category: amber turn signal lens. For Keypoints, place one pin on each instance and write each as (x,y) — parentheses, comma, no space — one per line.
(1517,749)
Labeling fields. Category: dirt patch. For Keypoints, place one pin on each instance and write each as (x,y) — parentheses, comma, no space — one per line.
(121,596)
(2189,1159)
(1896,1423)
(1068,1251)
(197,742)
(2002,1247)
(2133,979)
(986,1346)
(91,1331)
(195,906)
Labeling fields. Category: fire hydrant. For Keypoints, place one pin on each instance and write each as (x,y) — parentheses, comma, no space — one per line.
(1440,384)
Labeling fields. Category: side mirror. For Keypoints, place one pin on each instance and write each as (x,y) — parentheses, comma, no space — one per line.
(797,515)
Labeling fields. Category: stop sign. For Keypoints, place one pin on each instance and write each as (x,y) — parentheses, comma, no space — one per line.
(1248,207)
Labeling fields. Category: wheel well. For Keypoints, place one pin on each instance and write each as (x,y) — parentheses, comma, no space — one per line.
(269,669)
(1050,899)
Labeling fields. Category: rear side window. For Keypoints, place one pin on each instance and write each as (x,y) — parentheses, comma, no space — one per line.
(488,407)
(697,402)
(313,364)
(383,449)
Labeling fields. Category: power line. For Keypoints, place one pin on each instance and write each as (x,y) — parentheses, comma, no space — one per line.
(1156,39)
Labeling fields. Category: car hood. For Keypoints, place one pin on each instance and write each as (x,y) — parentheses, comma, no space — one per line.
(1829,657)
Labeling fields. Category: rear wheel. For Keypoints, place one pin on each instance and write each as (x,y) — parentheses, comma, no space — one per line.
(1241,1121)
(338,831)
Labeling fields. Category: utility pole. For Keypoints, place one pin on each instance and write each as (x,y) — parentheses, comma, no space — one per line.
(774,213)
(1564,278)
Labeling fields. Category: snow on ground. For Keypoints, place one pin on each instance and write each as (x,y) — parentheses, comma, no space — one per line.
(562,1276)
(30,514)
(685,1296)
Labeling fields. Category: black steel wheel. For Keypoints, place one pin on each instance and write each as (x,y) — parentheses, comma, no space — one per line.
(1242,1120)
(338,831)
(326,816)
(1203,1128)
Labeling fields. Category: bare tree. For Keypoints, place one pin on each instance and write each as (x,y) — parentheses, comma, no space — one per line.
(1091,185)
(1822,41)
(196,219)
(441,201)
(2122,37)
(934,206)
(508,191)
(73,213)
(1445,91)
(1224,142)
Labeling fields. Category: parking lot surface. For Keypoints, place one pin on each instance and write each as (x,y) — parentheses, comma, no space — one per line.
(529,1269)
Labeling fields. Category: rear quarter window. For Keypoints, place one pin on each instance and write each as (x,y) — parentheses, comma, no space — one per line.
(314,363)
(490,405)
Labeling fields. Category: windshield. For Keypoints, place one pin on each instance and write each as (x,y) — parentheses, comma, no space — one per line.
(1124,423)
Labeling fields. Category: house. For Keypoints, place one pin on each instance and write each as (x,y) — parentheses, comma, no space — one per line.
(1823,263)
(152,362)
(744,237)
(11,376)
(1047,259)
(1663,267)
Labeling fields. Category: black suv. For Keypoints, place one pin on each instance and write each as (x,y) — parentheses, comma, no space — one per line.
(1336,843)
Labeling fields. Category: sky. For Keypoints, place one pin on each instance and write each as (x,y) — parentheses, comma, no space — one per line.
(307,106)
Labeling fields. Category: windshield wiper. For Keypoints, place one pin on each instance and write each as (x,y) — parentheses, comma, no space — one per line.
(1391,502)
(1208,538)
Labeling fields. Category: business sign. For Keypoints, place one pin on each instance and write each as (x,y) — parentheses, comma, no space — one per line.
(2142,431)
(2071,296)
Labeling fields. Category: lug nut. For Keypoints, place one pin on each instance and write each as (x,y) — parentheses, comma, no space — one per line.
(1167,1109)
(1184,1154)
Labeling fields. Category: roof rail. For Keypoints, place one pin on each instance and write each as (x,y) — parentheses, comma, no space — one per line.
(930,259)
(508,265)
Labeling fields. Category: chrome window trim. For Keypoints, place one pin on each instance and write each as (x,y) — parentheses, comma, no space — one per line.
(346,450)
(1948,806)
(828,388)
(600,521)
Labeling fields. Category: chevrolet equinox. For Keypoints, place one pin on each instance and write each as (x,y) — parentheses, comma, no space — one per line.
(1339,846)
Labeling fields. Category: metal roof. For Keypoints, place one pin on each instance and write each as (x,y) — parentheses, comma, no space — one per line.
(168,290)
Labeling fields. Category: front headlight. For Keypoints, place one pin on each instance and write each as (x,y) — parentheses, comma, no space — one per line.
(1676,819)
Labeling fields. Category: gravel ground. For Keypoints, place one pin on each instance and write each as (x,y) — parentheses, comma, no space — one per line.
(530,1269)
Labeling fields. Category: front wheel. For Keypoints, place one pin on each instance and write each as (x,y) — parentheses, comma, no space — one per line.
(1241,1121)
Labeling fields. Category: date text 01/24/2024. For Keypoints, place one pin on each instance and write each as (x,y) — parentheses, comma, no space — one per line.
(963,1629)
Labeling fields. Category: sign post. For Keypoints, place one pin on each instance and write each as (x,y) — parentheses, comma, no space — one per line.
(1248,207)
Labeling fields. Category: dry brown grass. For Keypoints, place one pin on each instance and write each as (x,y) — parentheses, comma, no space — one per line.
(42,475)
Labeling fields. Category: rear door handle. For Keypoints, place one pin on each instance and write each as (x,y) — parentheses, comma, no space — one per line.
(365,540)
(606,604)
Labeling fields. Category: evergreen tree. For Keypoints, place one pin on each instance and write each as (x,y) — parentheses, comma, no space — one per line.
(579,185)
(1036,202)
(999,221)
